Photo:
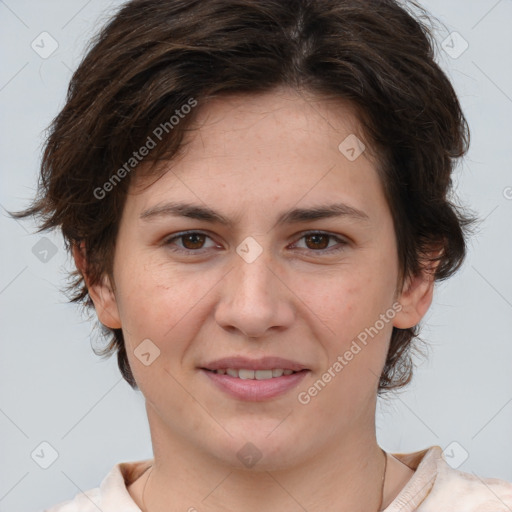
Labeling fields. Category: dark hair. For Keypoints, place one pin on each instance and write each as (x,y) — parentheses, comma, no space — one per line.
(153,57)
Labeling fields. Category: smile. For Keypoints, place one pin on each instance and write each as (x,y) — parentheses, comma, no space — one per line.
(254,385)
(241,373)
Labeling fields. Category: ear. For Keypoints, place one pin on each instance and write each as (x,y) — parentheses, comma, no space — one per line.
(416,297)
(101,293)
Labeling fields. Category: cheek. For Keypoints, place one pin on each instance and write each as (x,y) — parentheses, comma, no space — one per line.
(154,310)
(356,352)
(351,299)
(166,305)
(151,300)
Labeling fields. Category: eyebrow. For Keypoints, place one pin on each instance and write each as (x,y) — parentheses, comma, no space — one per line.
(294,216)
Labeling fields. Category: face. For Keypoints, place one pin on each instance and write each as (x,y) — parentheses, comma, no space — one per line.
(248,271)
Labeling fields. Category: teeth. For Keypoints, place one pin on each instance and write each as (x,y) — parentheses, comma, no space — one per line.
(246,374)
(243,373)
(263,374)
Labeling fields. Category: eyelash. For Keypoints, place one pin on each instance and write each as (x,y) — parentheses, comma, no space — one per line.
(342,242)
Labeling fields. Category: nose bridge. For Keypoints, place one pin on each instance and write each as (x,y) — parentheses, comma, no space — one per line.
(252,273)
(253,299)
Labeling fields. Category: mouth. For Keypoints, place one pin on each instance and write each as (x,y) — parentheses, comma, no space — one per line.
(248,374)
(254,380)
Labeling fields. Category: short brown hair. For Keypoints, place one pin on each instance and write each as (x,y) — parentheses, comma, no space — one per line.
(153,57)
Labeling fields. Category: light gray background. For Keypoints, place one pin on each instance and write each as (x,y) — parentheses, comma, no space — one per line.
(55,389)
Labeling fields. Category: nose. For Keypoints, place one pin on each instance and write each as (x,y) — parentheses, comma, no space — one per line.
(255,298)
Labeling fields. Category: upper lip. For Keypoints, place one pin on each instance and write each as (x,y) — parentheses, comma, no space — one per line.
(264,363)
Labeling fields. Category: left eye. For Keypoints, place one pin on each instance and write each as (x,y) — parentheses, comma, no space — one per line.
(320,241)
(316,241)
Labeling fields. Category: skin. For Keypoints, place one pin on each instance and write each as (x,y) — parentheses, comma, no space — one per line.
(250,159)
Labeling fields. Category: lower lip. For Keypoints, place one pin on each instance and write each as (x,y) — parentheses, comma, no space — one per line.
(255,390)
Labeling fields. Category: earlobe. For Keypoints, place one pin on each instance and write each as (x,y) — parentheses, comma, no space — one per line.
(101,293)
(415,299)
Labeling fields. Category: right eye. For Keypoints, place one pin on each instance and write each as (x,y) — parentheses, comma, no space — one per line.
(191,241)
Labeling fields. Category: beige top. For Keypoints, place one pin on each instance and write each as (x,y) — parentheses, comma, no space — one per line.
(434,487)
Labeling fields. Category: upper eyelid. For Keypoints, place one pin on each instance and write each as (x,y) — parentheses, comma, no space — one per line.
(340,238)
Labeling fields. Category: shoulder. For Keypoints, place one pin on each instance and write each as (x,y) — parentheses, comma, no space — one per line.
(111,496)
(436,486)
(467,491)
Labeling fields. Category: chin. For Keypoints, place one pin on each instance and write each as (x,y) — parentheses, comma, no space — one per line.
(262,446)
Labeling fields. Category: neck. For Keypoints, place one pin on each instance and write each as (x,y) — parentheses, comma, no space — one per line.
(345,476)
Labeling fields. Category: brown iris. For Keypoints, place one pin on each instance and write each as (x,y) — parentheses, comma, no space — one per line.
(315,238)
(193,239)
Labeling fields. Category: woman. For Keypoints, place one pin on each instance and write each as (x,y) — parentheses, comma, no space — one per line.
(256,197)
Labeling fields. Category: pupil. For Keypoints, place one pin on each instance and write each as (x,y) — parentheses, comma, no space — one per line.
(315,241)
(192,237)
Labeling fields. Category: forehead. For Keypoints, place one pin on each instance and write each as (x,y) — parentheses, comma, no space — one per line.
(286,113)
(262,149)
(238,126)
